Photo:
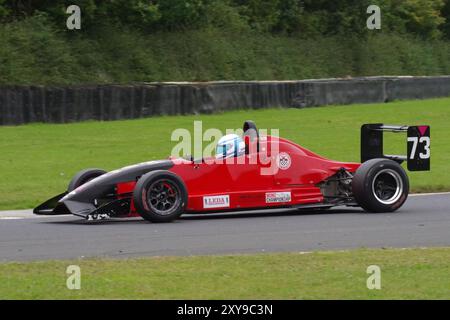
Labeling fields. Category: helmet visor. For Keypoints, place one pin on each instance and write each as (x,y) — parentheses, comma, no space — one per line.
(223,150)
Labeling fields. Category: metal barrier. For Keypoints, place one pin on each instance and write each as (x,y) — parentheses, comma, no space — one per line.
(25,104)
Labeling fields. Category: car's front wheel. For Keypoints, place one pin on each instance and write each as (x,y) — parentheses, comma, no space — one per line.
(160,196)
(84,176)
(380,185)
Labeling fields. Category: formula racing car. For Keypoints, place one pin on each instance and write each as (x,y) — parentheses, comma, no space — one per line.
(249,172)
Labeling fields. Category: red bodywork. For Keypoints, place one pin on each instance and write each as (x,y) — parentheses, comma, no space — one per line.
(244,185)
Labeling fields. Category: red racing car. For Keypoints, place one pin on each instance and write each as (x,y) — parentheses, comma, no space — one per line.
(249,173)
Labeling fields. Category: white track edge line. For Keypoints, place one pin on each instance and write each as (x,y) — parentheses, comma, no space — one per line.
(31,215)
(429,194)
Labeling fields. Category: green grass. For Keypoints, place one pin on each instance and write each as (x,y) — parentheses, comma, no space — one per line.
(405,274)
(38,160)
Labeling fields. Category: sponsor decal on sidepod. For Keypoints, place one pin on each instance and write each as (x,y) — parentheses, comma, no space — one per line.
(216,202)
(284,161)
(277,197)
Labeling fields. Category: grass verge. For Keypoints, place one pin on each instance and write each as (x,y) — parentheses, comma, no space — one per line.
(38,160)
(405,274)
(115,54)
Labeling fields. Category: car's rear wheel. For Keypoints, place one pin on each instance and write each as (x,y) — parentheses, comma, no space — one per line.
(84,176)
(380,185)
(160,196)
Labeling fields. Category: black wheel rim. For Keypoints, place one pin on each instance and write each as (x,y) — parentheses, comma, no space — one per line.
(163,197)
(387,186)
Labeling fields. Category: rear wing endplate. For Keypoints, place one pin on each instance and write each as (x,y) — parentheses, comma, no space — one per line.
(418,142)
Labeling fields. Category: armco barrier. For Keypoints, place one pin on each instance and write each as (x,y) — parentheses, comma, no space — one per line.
(25,104)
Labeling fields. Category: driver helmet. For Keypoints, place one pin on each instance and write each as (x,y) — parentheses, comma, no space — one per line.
(229,146)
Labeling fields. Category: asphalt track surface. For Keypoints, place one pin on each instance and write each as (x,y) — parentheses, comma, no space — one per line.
(423,221)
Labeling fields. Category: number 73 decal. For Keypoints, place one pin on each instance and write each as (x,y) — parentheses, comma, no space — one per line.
(419,152)
(422,140)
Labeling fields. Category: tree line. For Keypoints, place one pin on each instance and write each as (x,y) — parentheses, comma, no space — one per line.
(429,19)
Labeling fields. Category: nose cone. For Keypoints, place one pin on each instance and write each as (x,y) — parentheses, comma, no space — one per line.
(90,191)
(106,184)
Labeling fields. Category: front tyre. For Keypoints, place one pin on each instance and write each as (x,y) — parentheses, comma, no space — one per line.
(380,185)
(160,196)
(84,176)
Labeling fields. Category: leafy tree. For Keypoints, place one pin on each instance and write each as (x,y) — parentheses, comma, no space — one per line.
(290,15)
(182,13)
(445,27)
(427,18)
(4,10)
(337,17)
(421,17)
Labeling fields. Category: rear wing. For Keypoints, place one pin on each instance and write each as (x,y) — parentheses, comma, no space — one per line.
(418,150)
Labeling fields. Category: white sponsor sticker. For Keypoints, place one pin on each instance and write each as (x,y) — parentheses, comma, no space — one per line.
(216,202)
(284,161)
(277,197)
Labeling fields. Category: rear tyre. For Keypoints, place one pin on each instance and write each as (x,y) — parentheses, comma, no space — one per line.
(380,185)
(160,196)
(84,176)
